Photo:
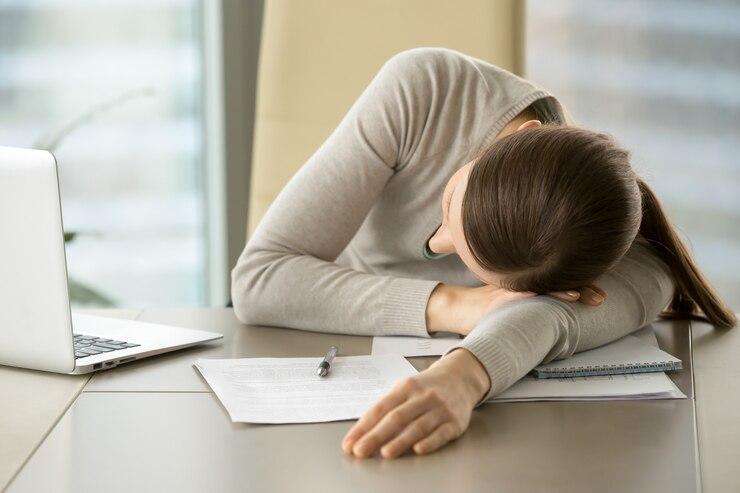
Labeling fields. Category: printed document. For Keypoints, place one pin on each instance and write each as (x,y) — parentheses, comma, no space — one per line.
(288,390)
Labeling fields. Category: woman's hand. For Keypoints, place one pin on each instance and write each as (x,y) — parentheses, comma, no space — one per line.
(590,295)
(423,412)
(458,309)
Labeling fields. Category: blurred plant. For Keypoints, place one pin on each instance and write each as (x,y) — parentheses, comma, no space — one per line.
(53,139)
(78,292)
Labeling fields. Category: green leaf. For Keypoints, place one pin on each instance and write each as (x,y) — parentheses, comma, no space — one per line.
(69,236)
(79,293)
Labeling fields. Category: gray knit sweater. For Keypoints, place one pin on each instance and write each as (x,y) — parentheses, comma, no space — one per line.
(341,249)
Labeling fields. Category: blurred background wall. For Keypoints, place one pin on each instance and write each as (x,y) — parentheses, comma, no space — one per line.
(662,76)
(150,107)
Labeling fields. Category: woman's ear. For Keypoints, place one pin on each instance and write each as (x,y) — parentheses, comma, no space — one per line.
(530,124)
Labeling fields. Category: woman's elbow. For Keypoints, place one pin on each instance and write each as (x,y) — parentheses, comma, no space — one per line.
(244,302)
(249,295)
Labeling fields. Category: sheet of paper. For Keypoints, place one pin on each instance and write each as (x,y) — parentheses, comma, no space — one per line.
(413,346)
(287,390)
(608,387)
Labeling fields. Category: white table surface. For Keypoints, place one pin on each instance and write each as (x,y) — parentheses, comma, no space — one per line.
(163,388)
(31,404)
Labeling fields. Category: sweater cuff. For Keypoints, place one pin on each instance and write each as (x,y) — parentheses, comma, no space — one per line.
(494,360)
(405,307)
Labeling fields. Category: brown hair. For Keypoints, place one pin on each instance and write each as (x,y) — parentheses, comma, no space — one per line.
(554,207)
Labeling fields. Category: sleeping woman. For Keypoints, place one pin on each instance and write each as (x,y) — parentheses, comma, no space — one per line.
(454,196)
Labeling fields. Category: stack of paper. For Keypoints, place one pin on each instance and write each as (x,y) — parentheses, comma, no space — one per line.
(604,388)
(638,346)
(288,390)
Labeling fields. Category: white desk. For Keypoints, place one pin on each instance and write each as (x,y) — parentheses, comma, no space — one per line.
(154,426)
(31,404)
(717,381)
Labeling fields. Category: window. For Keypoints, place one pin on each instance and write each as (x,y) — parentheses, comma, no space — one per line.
(663,78)
(115,89)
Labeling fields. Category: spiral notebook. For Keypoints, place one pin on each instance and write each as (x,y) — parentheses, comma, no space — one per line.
(635,353)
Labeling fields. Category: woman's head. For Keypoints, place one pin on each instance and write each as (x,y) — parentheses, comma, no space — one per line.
(551,208)
(545,208)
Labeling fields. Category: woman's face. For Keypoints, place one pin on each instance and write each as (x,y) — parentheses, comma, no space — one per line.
(449,238)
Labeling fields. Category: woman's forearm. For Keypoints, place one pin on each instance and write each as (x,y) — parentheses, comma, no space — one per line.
(515,338)
(282,289)
(471,374)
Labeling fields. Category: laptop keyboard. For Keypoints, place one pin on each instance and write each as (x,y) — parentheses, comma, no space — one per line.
(88,345)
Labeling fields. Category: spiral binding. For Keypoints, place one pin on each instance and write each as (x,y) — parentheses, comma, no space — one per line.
(619,369)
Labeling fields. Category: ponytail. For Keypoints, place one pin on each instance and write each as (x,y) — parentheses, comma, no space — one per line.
(692,288)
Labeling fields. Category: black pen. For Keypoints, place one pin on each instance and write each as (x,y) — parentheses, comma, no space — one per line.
(325,364)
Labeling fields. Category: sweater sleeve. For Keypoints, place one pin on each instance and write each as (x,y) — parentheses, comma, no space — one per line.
(520,335)
(286,275)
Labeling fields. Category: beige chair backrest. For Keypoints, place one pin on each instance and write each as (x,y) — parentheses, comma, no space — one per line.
(318,55)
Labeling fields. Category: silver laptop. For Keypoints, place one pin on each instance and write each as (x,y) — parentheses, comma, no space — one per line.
(37,327)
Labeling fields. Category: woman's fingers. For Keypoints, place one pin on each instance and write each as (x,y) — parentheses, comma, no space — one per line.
(414,432)
(571,295)
(371,417)
(391,425)
(592,295)
(443,434)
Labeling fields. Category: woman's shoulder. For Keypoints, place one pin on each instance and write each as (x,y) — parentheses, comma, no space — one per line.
(431,61)
(425,55)
(451,68)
